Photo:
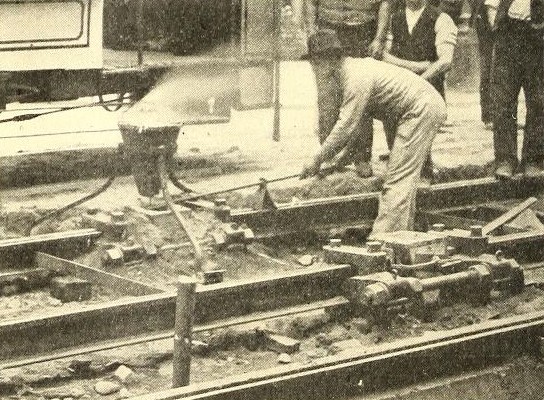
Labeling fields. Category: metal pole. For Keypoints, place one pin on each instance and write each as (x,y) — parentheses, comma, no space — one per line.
(277,57)
(140,30)
(185,306)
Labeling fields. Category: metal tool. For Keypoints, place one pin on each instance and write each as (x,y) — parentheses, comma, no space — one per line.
(384,291)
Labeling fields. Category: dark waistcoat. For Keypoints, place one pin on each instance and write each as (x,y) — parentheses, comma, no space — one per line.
(420,45)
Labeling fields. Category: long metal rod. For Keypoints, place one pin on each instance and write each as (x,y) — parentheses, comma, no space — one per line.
(232,189)
(199,254)
(197,196)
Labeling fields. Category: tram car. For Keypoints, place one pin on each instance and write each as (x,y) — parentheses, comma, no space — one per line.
(52,50)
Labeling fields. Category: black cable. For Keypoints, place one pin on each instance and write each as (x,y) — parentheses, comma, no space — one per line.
(76,203)
(26,117)
(43,108)
(323,172)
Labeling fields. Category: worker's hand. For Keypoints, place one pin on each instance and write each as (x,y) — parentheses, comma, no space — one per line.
(310,169)
(421,66)
(376,49)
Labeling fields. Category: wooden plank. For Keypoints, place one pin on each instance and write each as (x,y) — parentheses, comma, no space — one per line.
(116,283)
(508,216)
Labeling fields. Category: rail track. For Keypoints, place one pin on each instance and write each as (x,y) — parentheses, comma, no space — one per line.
(149,314)
(365,371)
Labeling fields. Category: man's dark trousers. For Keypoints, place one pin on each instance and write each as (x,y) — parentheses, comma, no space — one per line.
(518,63)
(485,47)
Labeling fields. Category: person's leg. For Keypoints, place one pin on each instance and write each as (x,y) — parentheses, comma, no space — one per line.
(533,87)
(505,87)
(412,143)
(485,47)
(355,40)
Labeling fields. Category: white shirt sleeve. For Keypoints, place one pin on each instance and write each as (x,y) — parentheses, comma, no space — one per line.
(492,3)
(445,30)
(357,91)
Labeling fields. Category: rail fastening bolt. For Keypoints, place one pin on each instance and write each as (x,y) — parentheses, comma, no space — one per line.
(373,247)
(438,227)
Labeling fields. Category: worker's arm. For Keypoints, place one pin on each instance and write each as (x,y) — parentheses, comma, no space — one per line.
(417,67)
(355,100)
(378,44)
(446,39)
(329,101)
(310,17)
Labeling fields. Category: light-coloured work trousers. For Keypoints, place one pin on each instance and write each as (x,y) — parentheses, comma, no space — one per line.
(413,140)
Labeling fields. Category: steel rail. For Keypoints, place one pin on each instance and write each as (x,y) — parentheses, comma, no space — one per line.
(365,370)
(21,250)
(358,209)
(219,324)
(151,314)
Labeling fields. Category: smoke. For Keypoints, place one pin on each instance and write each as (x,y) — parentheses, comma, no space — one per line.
(193,90)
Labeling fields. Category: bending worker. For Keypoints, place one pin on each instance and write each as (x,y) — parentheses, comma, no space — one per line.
(375,89)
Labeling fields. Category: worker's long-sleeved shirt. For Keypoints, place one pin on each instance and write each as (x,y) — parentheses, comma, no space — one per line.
(519,9)
(379,90)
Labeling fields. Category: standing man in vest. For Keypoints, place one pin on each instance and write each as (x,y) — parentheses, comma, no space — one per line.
(375,89)
(423,40)
(518,63)
(361,26)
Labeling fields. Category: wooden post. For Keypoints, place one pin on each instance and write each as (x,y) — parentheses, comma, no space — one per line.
(185,306)
(277,58)
(4,80)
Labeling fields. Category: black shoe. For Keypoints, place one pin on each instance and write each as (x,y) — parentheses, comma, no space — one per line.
(504,170)
(532,170)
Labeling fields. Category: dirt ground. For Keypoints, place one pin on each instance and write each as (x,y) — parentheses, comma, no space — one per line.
(228,351)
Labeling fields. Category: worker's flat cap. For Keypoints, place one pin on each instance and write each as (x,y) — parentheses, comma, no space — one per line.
(324,41)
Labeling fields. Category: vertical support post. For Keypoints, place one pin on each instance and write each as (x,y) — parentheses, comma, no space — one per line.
(232,28)
(185,305)
(277,58)
(243,29)
(140,30)
(4,79)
